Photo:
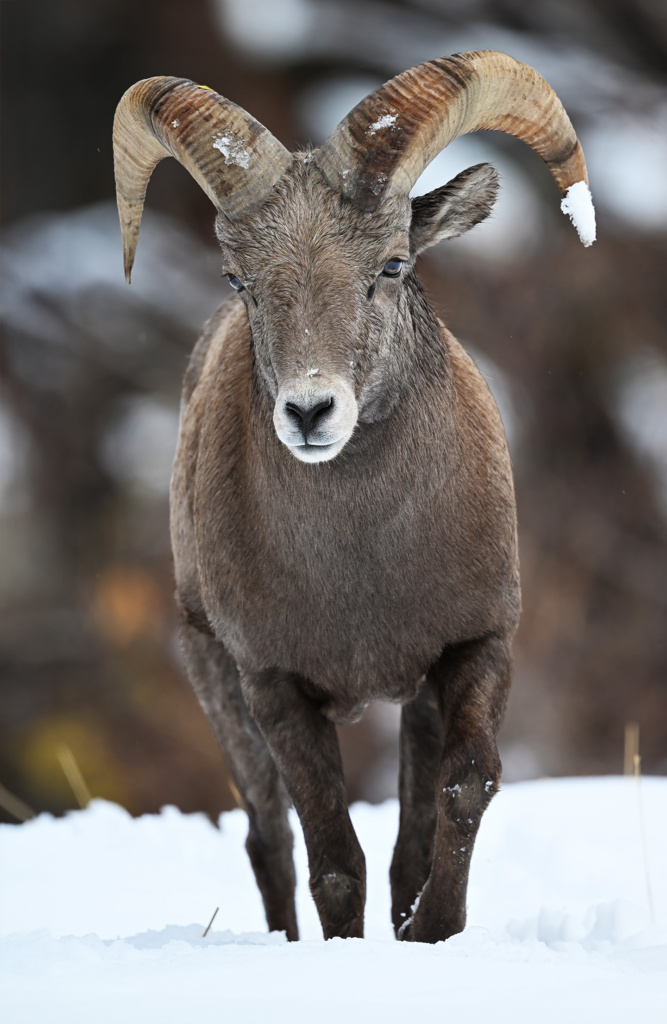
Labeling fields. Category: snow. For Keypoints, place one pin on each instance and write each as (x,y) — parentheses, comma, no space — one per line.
(376,186)
(386,121)
(578,204)
(98,911)
(232,150)
(408,920)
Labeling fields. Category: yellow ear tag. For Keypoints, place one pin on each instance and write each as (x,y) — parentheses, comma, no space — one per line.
(207,87)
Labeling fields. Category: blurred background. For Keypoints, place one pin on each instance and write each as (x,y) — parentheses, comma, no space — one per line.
(571,340)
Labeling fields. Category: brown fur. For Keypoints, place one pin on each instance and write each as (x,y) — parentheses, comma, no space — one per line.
(387,573)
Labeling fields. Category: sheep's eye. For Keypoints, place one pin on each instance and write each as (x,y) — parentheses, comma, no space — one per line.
(236,283)
(392,268)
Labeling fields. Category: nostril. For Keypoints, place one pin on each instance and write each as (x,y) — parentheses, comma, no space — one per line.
(317,412)
(307,419)
(295,411)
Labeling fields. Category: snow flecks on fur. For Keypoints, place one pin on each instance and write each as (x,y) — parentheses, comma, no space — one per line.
(232,149)
(408,921)
(578,205)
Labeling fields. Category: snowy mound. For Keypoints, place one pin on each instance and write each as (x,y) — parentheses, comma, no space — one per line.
(98,909)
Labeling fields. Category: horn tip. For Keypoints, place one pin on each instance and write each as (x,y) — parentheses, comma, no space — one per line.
(578,205)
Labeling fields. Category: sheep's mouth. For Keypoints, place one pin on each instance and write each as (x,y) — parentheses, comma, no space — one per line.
(317,452)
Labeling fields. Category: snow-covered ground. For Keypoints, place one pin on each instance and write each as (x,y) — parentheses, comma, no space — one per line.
(97,913)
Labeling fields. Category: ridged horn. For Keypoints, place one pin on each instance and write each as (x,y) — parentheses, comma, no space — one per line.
(385,143)
(234,158)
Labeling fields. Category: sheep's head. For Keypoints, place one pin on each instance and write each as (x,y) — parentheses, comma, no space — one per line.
(321,246)
(327,290)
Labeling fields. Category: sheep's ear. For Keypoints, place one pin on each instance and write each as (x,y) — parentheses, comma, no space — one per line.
(454,208)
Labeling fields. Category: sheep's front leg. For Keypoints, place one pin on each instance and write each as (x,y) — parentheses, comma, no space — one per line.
(305,748)
(471,683)
(215,679)
(421,745)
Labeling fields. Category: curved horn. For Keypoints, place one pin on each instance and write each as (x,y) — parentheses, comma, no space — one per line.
(233,157)
(385,143)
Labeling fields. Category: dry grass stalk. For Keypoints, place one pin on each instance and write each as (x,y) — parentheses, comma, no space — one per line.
(14,805)
(74,775)
(631,747)
(208,927)
(235,793)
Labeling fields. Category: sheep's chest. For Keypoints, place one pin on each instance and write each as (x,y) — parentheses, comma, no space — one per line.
(356,589)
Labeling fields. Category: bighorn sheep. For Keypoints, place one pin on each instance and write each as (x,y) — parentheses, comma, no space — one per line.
(343,515)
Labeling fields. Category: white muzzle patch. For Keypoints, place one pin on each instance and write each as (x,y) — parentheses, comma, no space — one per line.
(315,417)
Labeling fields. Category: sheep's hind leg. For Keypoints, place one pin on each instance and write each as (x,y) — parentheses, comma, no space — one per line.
(471,682)
(421,745)
(304,745)
(215,679)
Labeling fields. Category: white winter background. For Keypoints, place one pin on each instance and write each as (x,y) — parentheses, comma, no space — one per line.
(103,917)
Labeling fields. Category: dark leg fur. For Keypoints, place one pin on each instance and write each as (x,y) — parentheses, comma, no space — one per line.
(215,679)
(421,744)
(470,683)
(304,745)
